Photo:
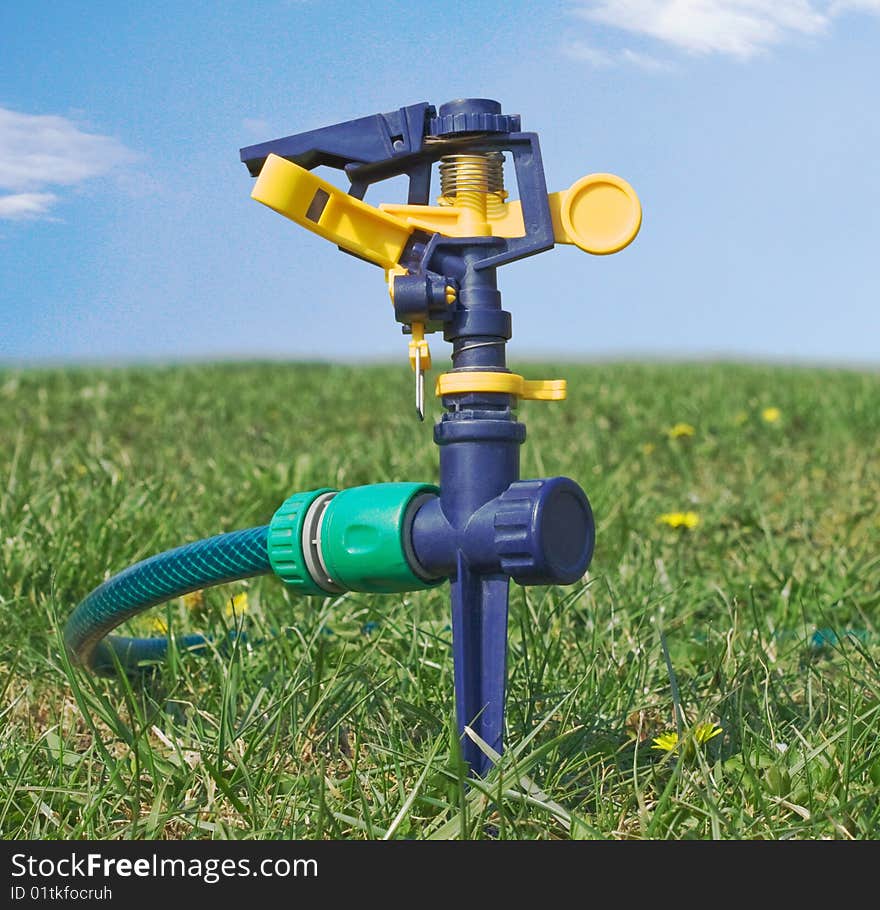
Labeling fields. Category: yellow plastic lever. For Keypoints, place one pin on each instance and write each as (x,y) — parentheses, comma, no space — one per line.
(599,213)
(328,211)
(508,383)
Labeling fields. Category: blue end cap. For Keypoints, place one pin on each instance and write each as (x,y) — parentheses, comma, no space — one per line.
(472,115)
(544,531)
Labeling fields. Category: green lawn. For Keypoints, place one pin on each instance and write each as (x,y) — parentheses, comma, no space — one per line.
(760,618)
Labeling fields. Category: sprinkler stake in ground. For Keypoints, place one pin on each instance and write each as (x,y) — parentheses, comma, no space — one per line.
(482,525)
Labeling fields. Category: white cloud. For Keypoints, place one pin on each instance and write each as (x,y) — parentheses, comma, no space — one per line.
(39,151)
(26,205)
(645,61)
(580,50)
(737,28)
(842,6)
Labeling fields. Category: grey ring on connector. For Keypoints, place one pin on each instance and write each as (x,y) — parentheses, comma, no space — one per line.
(311,544)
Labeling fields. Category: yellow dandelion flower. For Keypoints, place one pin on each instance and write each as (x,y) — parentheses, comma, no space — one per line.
(195,600)
(158,624)
(666,742)
(704,732)
(701,734)
(679,519)
(771,415)
(679,430)
(237,604)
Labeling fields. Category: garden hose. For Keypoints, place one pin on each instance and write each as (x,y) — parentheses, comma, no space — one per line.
(192,567)
(319,542)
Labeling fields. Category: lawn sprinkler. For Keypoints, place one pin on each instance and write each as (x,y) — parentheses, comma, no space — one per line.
(483,525)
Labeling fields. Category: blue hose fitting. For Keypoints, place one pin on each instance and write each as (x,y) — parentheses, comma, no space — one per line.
(539,532)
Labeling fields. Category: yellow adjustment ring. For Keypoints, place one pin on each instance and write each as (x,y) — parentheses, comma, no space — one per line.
(507,383)
(601,213)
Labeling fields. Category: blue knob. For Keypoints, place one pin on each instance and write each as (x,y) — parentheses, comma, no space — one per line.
(472,115)
(544,531)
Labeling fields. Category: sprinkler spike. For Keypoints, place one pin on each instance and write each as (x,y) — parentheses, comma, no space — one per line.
(479,642)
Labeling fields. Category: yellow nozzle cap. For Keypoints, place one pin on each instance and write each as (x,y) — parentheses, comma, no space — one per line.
(601,213)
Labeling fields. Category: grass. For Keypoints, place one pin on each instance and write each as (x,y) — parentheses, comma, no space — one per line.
(761,618)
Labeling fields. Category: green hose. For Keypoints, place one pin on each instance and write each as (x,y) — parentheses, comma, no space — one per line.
(214,561)
(363,531)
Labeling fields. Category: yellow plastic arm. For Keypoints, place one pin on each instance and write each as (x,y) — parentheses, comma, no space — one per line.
(599,213)
(508,383)
(326,210)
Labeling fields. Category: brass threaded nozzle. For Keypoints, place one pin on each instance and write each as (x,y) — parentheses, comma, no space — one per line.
(474,182)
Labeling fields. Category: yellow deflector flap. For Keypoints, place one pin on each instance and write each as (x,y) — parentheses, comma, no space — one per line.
(326,210)
(600,213)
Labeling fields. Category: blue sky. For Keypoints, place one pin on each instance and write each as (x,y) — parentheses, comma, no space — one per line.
(749,128)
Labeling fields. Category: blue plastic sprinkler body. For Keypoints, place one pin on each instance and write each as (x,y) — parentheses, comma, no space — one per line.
(487,526)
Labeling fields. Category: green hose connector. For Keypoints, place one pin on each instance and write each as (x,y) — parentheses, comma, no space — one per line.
(285,542)
(365,538)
